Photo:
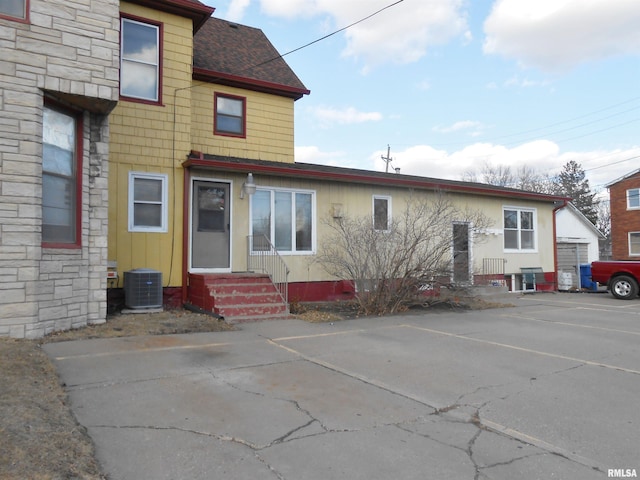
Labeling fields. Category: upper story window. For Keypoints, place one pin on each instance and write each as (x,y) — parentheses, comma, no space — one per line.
(381,213)
(285,217)
(633,198)
(61,182)
(14,9)
(230,115)
(519,228)
(147,202)
(140,54)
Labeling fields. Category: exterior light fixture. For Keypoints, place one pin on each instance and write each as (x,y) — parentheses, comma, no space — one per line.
(248,187)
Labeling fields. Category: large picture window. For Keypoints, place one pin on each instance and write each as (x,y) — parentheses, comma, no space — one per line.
(634,243)
(519,229)
(229,115)
(633,199)
(286,218)
(61,183)
(14,9)
(140,60)
(147,202)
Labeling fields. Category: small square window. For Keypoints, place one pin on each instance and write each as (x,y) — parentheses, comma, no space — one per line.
(633,198)
(519,229)
(230,115)
(14,9)
(147,202)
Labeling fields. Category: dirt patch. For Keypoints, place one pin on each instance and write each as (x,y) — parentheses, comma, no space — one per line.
(40,438)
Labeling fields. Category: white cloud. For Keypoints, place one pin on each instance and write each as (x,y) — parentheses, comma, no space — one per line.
(556,35)
(330,116)
(544,156)
(458,126)
(400,34)
(236,10)
(312,154)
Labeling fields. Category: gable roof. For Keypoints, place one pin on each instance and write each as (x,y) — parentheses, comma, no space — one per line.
(624,177)
(197,11)
(571,208)
(237,55)
(366,177)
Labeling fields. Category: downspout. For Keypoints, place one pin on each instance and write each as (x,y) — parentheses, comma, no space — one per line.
(555,245)
(185,231)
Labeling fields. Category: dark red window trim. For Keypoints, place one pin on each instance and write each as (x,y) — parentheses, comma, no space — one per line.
(78,115)
(19,19)
(160,26)
(215,115)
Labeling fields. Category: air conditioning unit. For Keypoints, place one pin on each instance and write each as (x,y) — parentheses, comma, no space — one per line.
(143,288)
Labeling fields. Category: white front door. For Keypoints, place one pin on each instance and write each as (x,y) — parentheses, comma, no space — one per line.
(210,225)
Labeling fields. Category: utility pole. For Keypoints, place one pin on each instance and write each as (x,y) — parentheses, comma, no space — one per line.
(387,159)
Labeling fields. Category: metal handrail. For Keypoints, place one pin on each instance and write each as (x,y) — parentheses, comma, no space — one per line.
(262,256)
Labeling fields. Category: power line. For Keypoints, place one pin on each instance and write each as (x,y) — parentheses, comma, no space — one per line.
(330,34)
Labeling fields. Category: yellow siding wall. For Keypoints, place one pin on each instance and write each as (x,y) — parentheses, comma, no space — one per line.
(154,139)
(270,121)
(356,200)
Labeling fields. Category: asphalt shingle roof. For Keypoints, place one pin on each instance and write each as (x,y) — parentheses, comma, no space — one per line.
(243,54)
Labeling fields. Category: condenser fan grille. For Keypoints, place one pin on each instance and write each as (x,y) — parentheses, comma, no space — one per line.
(143,288)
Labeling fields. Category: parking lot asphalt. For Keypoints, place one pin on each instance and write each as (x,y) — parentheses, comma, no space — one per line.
(548,388)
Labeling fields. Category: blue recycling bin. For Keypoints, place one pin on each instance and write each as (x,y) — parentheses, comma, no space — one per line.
(585,278)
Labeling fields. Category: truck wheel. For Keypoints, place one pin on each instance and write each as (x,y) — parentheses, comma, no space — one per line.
(624,287)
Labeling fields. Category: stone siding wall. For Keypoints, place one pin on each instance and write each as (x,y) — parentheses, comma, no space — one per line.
(69,52)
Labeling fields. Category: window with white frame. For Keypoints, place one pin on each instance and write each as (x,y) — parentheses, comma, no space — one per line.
(285,217)
(61,184)
(14,9)
(147,202)
(381,213)
(633,198)
(140,60)
(229,115)
(519,228)
(634,243)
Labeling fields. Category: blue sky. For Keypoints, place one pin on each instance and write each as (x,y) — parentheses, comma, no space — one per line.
(451,85)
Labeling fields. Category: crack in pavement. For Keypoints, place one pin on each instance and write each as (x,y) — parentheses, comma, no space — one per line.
(487,425)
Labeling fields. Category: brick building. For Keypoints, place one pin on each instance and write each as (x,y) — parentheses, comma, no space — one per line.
(59,66)
(624,194)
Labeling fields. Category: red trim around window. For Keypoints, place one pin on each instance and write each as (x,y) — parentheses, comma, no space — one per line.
(160,26)
(19,19)
(244,115)
(78,115)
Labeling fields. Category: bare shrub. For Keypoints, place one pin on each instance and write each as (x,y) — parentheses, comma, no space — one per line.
(389,267)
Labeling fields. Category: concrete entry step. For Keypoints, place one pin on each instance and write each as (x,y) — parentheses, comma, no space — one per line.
(238,297)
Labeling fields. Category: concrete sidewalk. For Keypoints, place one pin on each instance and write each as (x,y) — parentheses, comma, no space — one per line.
(501,394)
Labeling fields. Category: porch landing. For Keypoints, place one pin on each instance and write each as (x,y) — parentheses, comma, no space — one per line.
(238,297)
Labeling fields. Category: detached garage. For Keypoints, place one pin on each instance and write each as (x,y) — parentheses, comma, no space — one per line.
(577,241)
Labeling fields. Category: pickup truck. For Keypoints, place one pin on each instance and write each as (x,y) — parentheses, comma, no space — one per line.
(621,277)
